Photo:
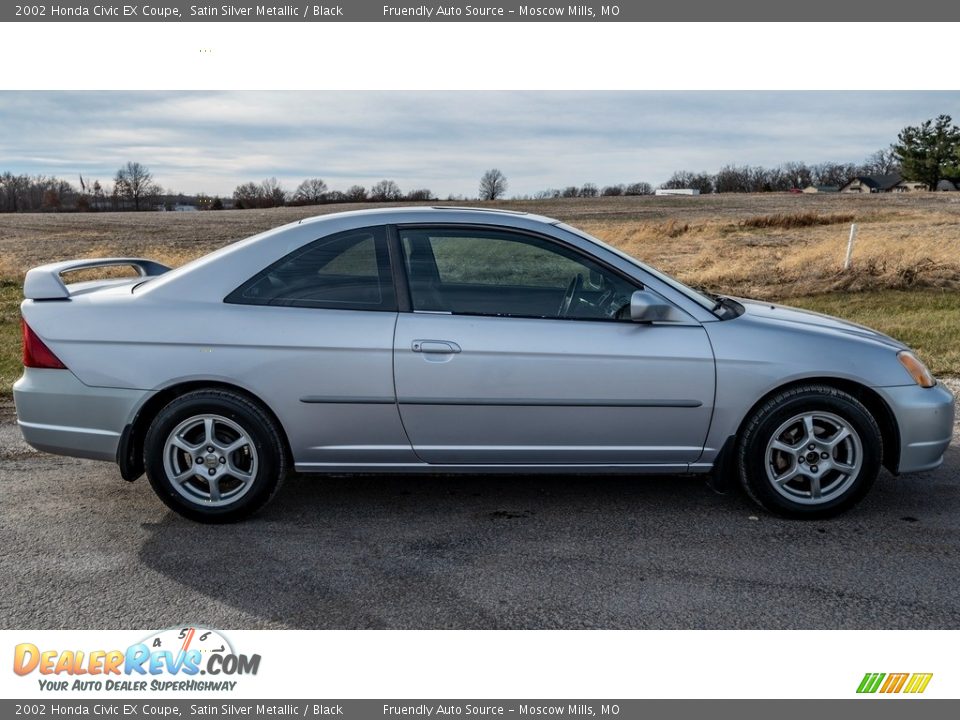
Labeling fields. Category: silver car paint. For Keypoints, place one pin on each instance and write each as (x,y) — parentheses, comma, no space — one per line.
(568,396)
(545,391)
(59,414)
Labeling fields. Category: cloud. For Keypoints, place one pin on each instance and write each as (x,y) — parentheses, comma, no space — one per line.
(212,141)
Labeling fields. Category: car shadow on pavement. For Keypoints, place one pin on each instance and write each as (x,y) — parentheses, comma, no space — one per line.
(561,552)
(417,551)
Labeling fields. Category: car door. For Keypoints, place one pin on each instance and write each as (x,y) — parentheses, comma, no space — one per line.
(519,350)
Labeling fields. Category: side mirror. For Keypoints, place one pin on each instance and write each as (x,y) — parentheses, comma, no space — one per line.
(646,307)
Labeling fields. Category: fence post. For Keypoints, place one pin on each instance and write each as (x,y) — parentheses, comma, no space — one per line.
(853,237)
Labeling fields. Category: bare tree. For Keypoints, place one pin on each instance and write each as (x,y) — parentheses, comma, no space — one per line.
(684,179)
(355,193)
(12,187)
(798,174)
(99,196)
(248,195)
(832,173)
(493,185)
(273,193)
(268,193)
(134,183)
(420,195)
(548,194)
(638,188)
(882,162)
(613,191)
(733,178)
(311,191)
(385,191)
(51,200)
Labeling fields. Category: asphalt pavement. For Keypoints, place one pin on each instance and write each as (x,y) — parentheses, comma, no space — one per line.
(81,548)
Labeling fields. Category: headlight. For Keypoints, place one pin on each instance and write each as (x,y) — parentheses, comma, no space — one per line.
(918,371)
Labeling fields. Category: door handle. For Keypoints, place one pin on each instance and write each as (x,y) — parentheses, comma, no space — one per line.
(444,347)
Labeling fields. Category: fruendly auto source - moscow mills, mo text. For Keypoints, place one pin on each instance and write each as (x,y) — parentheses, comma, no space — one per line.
(517,11)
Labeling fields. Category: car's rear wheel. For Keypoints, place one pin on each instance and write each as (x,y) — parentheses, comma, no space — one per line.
(214,456)
(810,452)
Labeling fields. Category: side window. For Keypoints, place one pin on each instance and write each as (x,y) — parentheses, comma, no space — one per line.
(496,272)
(347,271)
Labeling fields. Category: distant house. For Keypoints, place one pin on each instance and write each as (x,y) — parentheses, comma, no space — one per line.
(893,182)
(910,186)
(949,184)
(678,191)
(810,189)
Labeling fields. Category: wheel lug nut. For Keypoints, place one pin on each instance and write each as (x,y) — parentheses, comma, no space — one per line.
(223,460)
(824,455)
(199,461)
(813,468)
(811,446)
(211,471)
(801,460)
(210,448)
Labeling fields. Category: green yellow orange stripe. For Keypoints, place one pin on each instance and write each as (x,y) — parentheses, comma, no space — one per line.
(894,683)
(918,682)
(870,682)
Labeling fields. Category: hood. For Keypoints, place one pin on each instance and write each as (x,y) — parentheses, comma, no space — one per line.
(782,314)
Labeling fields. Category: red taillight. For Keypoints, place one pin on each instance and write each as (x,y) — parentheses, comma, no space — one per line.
(35,353)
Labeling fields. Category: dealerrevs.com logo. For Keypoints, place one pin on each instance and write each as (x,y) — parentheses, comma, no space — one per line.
(179,659)
(910,683)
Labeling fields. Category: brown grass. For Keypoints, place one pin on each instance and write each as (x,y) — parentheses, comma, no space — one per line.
(790,221)
(768,246)
(910,243)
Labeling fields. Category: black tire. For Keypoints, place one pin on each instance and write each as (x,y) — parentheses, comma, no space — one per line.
(850,488)
(265,445)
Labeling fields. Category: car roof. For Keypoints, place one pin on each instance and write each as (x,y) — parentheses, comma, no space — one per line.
(261,249)
(437,213)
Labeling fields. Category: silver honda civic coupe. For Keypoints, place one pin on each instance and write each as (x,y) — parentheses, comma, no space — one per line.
(447,340)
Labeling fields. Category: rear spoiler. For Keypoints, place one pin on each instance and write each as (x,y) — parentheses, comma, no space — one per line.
(44,282)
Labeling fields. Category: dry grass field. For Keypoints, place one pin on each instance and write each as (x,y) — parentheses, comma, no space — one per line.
(905,277)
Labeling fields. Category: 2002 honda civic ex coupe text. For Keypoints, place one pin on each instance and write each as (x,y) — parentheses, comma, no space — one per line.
(457,340)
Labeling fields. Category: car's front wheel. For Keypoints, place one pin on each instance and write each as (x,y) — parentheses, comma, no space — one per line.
(214,456)
(810,452)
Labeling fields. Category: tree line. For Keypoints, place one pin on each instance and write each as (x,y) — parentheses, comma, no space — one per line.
(314,191)
(927,153)
(133,188)
(785,177)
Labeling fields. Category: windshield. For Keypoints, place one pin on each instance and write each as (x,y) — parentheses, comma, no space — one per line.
(705,299)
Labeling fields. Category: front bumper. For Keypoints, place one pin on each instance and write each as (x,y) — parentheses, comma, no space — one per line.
(59,414)
(925,419)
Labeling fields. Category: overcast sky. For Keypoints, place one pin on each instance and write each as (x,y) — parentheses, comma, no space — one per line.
(211,141)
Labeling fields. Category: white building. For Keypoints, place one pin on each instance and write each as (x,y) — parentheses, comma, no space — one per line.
(678,191)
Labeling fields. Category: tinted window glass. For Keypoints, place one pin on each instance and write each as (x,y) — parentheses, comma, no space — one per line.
(493,272)
(698,296)
(347,271)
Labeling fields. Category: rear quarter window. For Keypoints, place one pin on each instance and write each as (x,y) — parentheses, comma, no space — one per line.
(346,271)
